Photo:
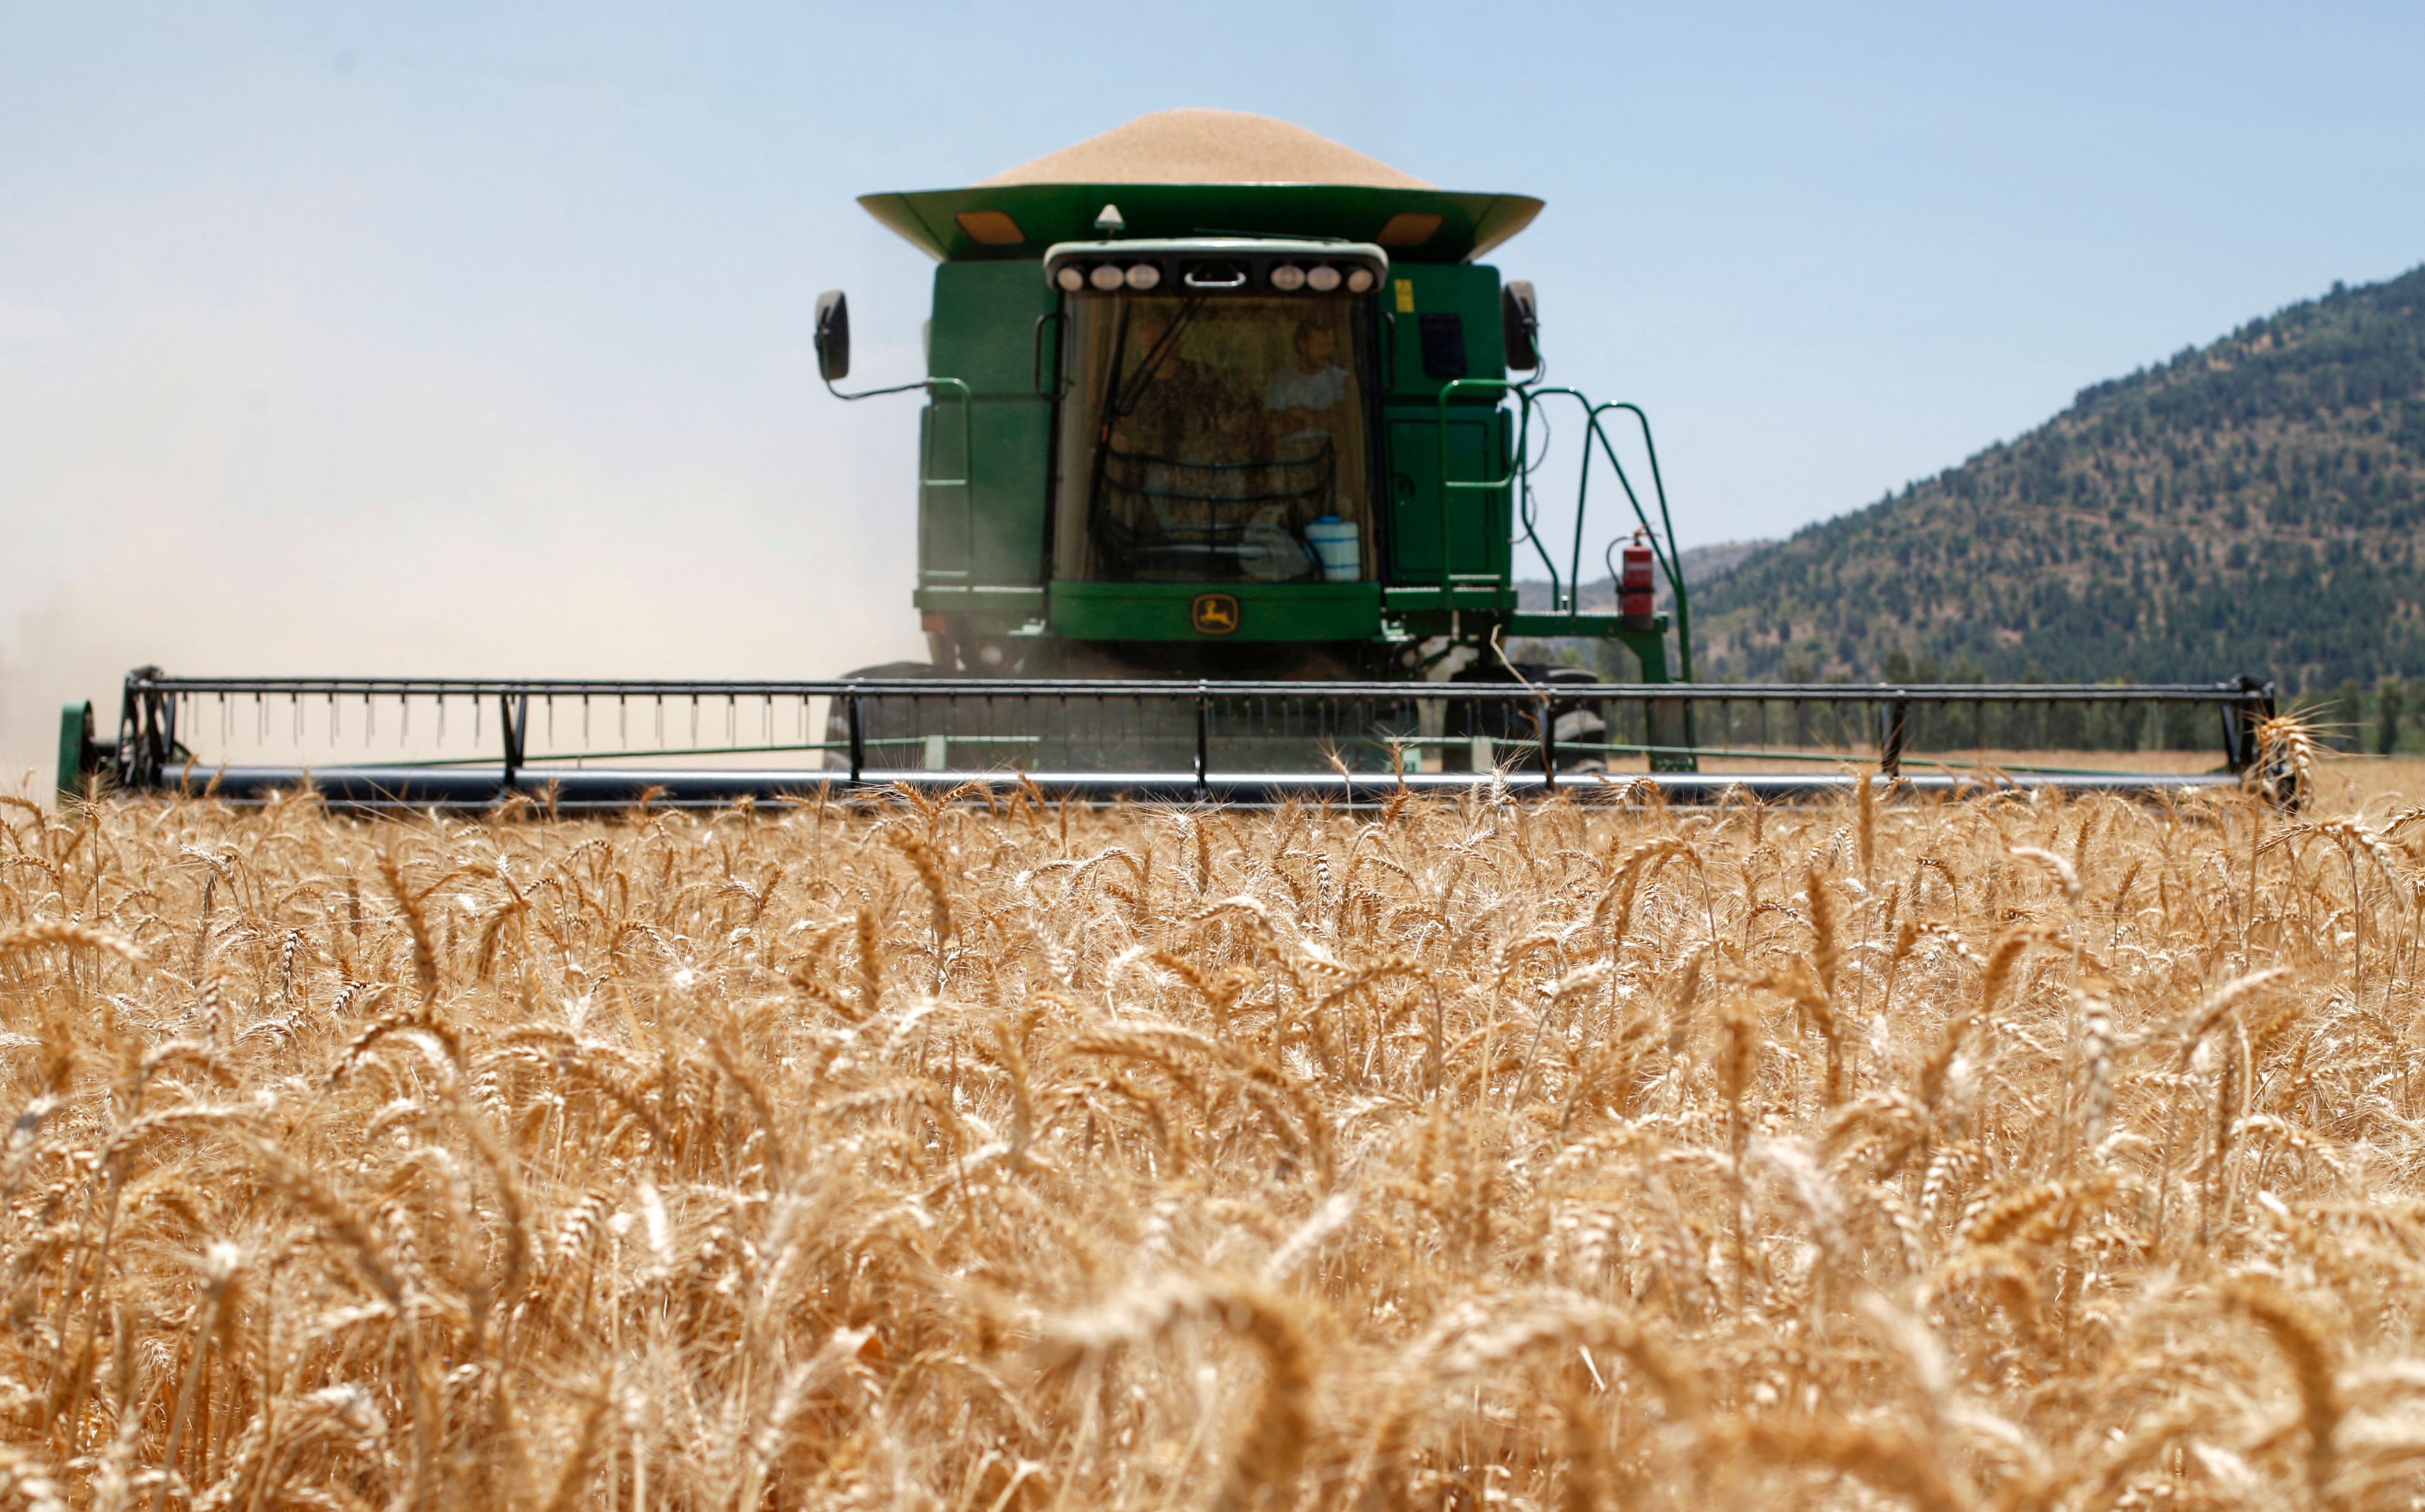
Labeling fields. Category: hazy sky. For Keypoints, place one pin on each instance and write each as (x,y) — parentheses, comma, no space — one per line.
(426,337)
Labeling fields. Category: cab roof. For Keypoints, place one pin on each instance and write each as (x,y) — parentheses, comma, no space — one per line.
(1178,174)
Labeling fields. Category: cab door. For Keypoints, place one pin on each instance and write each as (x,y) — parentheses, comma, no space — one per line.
(1477,528)
(1443,328)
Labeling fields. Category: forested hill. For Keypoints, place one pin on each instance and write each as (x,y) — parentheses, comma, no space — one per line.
(2251,507)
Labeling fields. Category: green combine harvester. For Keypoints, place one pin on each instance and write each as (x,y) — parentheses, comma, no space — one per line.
(1225,477)
(1250,428)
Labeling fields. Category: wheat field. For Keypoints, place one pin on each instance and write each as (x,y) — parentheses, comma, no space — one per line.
(2019,1153)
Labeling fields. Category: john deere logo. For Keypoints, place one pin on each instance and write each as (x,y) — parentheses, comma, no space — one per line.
(1213,614)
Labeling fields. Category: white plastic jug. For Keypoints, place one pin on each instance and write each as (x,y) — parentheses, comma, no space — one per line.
(1334,541)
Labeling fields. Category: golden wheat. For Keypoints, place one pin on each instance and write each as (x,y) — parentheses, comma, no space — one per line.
(2015,1153)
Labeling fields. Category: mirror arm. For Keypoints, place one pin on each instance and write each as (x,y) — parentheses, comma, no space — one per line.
(870,393)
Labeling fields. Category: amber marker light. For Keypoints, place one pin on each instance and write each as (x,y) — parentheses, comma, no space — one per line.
(990,228)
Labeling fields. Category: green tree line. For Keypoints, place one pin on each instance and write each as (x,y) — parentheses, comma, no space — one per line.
(2252,505)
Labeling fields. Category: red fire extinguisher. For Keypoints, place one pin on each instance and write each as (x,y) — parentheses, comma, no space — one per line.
(1633,583)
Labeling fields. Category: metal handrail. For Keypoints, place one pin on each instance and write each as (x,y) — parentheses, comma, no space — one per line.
(967,470)
(968,460)
(1669,562)
(1568,593)
(1526,395)
(1448,487)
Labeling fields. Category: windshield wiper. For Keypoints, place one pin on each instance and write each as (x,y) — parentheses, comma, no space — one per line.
(1125,403)
(1119,400)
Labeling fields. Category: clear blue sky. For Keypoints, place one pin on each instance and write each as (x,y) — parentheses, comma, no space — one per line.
(436,336)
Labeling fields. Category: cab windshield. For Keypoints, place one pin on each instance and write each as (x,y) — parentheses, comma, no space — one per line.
(1213,440)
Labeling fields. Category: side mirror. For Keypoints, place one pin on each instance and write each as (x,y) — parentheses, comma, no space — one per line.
(1519,317)
(833,335)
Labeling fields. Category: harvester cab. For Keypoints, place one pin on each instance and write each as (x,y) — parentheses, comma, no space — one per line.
(1210,396)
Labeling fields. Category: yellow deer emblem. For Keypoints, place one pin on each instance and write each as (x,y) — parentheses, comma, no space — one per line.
(1213,614)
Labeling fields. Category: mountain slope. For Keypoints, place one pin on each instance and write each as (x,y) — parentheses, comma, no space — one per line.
(2254,506)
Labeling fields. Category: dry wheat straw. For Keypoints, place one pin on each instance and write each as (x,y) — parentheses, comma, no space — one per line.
(1464,1155)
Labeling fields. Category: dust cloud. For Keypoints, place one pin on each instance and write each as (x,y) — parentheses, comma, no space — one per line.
(232,488)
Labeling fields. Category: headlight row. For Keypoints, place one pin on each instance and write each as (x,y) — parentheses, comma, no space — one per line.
(1322,277)
(1108,276)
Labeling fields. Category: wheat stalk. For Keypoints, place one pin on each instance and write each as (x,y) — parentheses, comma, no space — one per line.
(1474,1152)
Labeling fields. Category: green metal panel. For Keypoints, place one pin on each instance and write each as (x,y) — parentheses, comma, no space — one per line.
(1650,648)
(1596,626)
(1001,606)
(75,729)
(1477,522)
(1265,611)
(1478,431)
(1468,293)
(977,540)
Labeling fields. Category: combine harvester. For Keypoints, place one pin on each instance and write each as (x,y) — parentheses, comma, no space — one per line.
(1227,453)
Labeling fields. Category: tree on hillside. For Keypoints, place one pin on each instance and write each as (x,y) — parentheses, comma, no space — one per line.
(2254,505)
